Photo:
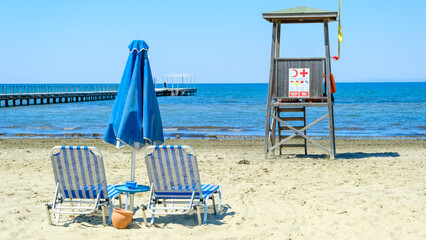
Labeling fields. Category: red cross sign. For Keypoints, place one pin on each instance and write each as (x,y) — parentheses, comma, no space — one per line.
(298,82)
(304,73)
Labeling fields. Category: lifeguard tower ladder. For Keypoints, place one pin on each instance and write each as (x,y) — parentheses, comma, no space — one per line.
(296,84)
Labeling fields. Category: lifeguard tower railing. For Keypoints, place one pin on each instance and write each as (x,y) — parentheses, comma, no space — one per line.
(296,84)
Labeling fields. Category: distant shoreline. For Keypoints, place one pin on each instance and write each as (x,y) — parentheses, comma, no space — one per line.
(117,83)
(188,136)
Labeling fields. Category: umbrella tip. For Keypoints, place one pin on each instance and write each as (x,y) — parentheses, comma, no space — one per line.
(138,45)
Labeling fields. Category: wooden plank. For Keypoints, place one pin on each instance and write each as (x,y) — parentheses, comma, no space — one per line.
(292,118)
(329,96)
(274,128)
(277,54)
(311,17)
(299,104)
(297,100)
(304,124)
(281,79)
(275,85)
(301,58)
(295,137)
(287,128)
(268,104)
(292,145)
(290,110)
(279,132)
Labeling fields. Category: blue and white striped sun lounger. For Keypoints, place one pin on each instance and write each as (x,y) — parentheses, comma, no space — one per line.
(81,185)
(175,182)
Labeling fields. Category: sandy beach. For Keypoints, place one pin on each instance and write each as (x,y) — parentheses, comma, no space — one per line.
(375,189)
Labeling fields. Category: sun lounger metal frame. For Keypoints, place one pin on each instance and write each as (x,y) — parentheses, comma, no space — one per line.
(67,177)
(176,198)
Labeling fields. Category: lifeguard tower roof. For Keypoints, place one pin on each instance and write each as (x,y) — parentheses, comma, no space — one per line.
(300,15)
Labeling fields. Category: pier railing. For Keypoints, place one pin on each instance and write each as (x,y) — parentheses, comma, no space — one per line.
(13,89)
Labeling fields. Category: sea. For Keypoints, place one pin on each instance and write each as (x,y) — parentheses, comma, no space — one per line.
(362,110)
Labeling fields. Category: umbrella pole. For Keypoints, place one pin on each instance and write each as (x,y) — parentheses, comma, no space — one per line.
(132,174)
(132,177)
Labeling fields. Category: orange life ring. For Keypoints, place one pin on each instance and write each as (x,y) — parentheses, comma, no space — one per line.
(333,84)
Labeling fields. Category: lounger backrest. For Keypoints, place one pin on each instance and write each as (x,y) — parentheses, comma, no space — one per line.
(173,171)
(79,171)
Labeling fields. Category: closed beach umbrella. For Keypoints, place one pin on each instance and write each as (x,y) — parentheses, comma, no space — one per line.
(135,119)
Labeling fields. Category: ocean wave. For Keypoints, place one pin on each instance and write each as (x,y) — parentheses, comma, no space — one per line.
(51,128)
(350,128)
(70,128)
(204,129)
(235,130)
(170,129)
(38,127)
(44,135)
(210,136)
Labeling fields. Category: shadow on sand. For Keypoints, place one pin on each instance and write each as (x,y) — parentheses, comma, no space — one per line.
(349,155)
(189,219)
(355,155)
(87,220)
(95,219)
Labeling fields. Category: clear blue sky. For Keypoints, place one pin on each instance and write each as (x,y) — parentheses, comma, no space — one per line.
(217,41)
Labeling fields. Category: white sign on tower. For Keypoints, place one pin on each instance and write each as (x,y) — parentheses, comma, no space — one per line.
(298,82)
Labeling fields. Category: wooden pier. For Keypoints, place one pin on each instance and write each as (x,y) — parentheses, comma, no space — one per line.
(23,95)
(176,84)
(175,91)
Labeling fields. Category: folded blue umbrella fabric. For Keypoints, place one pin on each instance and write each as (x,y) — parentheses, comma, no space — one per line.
(135,119)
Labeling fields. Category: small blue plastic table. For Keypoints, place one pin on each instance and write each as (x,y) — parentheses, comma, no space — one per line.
(137,189)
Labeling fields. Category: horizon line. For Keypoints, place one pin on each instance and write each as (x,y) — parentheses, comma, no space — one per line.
(410,81)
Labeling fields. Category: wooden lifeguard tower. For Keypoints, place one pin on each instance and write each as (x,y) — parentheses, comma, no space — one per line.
(296,84)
